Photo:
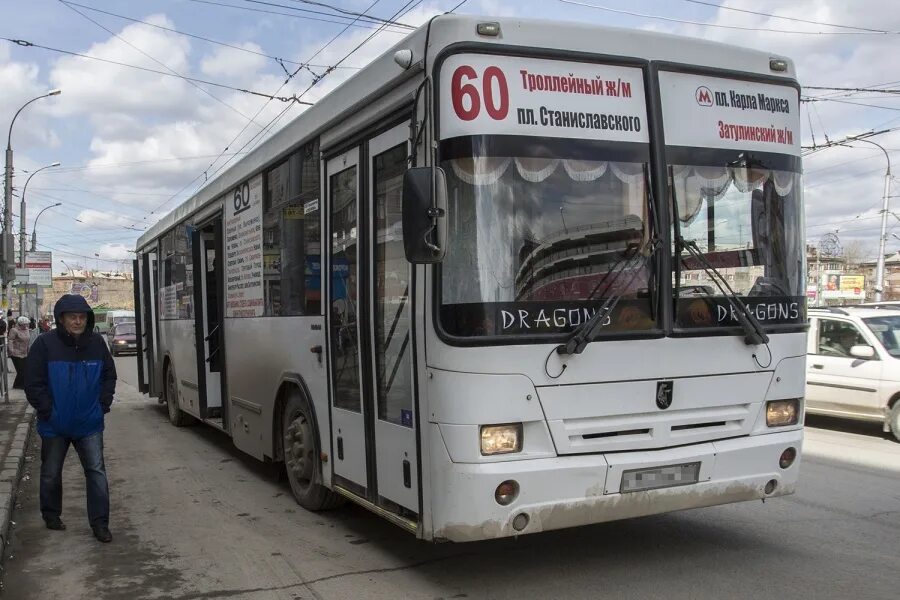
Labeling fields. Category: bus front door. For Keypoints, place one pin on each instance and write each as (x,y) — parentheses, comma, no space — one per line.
(369,319)
(390,325)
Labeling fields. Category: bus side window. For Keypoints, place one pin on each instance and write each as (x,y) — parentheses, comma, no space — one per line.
(292,236)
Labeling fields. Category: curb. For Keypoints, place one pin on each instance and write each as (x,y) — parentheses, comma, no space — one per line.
(11,475)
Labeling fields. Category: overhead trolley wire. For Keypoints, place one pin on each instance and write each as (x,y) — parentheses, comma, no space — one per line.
(160,63)
(200,37)
(702,24)
(812,99)
(26,43)
(365,25)
(290,76)
(349,13)
(795,19)
(406,8)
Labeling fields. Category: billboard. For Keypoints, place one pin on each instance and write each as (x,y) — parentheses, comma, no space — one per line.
(844,287)
(38,265)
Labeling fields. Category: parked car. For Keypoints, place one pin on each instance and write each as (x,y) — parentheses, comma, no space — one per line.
(853,365)
(122,338)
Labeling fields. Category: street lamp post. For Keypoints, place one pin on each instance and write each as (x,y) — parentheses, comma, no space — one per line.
(34,226)
(9,266)
(23,235)
(879,268)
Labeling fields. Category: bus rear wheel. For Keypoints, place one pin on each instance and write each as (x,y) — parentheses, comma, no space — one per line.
(177,417)
(301,456)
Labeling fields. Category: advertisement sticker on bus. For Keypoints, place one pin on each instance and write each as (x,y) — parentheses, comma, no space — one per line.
(510,95)
(714,112)
(244,263)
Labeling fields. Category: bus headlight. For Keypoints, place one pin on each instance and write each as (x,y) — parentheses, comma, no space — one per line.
(782,412)
(501,439)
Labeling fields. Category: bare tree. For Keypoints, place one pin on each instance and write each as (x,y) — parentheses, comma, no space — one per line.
(855,252)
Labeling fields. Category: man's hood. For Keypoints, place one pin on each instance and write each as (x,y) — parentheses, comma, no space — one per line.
(73,303)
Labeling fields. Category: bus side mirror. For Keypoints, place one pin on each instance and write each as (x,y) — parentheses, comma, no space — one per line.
(425,214)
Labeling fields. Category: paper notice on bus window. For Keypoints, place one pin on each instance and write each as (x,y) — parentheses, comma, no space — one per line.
(506,95)
(714,112)
(244,250)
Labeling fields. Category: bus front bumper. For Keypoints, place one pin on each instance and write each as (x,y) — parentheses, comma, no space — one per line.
(568,491)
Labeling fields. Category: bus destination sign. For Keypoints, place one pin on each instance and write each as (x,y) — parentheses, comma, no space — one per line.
(713,112)
(243,250)
(508,95)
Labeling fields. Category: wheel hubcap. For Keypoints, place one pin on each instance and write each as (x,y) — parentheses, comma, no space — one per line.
(299,450)
(170,395)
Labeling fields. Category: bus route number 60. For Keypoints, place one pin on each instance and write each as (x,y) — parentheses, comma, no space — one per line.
(241,198)
(496,101)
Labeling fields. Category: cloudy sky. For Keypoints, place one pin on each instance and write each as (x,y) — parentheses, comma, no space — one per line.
(134,143)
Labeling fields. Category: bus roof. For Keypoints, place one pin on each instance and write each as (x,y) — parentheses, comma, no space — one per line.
(383,74)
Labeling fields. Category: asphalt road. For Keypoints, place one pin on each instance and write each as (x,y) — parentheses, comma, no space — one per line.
(193,518)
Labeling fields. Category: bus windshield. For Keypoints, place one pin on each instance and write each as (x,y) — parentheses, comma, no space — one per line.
(748,223)
(536,241)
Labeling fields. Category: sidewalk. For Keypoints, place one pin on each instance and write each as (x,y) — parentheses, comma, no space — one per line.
(15,428)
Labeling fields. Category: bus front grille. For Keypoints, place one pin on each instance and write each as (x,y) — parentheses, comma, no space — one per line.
(645,431)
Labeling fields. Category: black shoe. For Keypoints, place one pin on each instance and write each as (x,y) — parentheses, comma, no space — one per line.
(102,534)
(55,523)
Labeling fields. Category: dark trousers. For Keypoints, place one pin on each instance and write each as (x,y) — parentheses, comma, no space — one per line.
(90,451)
(19,366)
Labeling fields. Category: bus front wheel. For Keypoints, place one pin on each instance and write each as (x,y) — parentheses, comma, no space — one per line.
(301,456)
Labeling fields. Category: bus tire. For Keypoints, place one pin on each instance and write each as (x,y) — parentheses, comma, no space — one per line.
(894,420)
(177,417)
(300,448)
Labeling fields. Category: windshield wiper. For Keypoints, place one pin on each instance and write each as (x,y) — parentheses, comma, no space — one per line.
(753,329)
(584,333)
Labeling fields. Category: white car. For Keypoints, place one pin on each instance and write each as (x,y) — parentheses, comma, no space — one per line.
(853,364)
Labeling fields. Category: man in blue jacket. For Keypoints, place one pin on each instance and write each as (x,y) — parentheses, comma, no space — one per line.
(70,379)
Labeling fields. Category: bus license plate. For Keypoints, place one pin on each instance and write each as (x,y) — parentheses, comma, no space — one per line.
(638,480)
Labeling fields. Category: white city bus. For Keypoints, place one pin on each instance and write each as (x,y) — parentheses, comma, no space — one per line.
(512,276)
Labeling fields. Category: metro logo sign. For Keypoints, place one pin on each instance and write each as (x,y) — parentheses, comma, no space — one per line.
(704,96)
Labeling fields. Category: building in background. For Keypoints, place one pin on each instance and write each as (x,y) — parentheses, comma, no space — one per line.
(891,277)
(833,280)
(102,289)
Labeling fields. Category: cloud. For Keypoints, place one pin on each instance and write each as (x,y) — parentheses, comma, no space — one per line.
(115,252)
(20,82)
(228,63)
(99,89)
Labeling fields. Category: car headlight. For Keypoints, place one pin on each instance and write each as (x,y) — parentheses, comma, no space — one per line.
(501,439)
(782,412)
(121,342)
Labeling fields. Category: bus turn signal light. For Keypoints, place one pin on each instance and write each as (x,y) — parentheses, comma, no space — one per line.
(782,412)
(501,439)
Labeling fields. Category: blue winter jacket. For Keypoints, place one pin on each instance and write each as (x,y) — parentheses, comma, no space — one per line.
(70,382)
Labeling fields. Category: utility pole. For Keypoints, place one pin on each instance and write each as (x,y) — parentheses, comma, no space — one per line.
(9,262)
(885,201)
(23,235)
(863,137)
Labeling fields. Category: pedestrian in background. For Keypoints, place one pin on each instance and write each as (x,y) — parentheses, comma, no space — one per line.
(33,332)
(17,347)
(70,382)
(10,322)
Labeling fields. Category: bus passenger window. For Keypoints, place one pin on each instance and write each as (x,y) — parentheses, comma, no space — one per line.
(292,236)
